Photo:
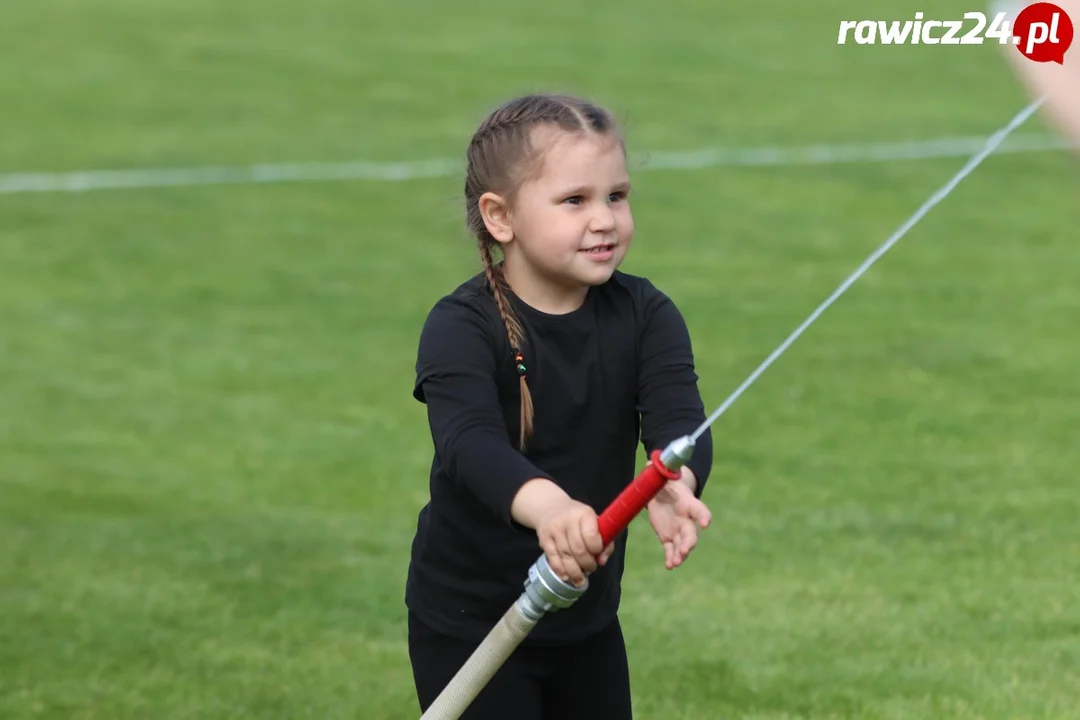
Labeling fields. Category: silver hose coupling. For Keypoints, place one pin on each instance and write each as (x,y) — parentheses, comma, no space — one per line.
(546,592)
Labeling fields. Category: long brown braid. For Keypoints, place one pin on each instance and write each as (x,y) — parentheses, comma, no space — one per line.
(500,157)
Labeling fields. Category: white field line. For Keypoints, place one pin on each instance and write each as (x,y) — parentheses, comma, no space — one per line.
(88,180)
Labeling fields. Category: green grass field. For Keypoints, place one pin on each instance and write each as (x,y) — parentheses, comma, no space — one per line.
(210,462)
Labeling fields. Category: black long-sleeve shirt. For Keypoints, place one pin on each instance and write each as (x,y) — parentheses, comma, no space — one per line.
(616,371)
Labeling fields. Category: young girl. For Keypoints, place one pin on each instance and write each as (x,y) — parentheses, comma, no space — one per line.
(541,375)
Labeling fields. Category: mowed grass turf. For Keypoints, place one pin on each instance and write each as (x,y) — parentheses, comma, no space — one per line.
(210,462)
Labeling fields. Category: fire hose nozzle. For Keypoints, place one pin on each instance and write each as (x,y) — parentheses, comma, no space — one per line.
(678,452)
(544,590)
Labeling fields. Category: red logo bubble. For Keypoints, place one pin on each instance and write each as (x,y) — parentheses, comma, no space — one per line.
(1043,32)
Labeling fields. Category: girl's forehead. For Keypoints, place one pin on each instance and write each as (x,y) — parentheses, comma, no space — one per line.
(580,155)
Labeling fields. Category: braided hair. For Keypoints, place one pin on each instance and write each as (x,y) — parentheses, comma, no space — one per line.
(499,158)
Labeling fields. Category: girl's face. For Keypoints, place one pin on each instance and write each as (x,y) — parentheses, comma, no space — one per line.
(570,225)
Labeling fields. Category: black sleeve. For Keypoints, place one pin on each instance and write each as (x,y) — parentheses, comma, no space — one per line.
(455,377)
(669,401)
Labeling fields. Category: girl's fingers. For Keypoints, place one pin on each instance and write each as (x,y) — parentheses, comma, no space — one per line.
(566,565)
(583,555)
(590,535)
(700,513)
(689,538)
(574,574)
(554,557)
(575,559)
(576,544)
(683,536)
(684,540)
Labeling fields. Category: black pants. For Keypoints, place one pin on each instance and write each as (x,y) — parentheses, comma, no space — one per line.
(586,681)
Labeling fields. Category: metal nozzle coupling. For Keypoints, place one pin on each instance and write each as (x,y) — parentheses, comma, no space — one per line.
(545,591)
(678,452)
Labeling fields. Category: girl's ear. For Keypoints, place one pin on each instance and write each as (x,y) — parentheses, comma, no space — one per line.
(496,214)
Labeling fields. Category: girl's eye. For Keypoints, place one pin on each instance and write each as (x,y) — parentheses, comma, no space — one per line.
(617,196)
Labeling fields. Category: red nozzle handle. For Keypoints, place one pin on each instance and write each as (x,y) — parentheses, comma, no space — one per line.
(635,497)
